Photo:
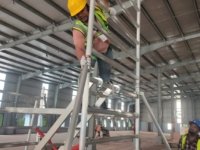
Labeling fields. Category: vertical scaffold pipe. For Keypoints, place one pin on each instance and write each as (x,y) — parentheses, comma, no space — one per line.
(77,105)
(137,85)
(86,88)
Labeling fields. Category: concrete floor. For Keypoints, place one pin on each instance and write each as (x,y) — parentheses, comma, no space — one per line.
(149,141)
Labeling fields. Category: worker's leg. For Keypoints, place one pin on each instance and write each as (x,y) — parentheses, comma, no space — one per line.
(105,68)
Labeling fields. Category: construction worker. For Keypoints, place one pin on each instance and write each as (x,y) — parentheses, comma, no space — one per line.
(79,9)
(191,140)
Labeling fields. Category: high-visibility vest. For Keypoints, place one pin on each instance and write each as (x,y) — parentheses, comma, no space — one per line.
(183,142)
(101,19)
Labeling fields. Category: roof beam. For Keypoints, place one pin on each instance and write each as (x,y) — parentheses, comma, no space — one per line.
(39,72)
(57,7)
(172,66)
(49,30)
(184,87)
(155,46)
(34,11)
(184,77)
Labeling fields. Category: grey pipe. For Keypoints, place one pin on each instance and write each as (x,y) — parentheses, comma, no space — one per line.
(155,121)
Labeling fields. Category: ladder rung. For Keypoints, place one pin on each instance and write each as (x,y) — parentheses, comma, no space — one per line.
(16,144)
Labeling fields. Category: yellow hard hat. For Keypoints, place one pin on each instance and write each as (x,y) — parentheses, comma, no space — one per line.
(75,6)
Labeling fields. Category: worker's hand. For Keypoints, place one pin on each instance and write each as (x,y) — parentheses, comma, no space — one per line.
(83,61)
(112,11)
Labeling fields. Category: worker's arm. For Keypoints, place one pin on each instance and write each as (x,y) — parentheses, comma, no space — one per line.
(79,43)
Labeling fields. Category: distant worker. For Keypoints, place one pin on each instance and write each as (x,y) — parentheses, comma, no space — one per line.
(80,10)
(191,140)
(98,130)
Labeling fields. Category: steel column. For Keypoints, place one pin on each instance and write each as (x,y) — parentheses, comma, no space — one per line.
(17,90)
(159,100)
(173,104)
(56,96)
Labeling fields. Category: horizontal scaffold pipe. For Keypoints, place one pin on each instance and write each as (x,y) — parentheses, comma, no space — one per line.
(115,64)
(109,139)
(110,112)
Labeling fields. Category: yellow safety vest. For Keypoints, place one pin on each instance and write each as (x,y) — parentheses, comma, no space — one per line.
(101,18)
(183,142)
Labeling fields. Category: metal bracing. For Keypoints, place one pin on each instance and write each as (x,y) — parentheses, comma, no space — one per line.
(64,115)
(155,46)
(154,120)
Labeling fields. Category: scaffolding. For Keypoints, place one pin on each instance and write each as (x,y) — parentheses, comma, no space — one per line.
(85,85)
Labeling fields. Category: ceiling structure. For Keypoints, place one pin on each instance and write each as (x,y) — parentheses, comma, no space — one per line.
(36,42)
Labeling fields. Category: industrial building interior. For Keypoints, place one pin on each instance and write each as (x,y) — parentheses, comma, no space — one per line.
(39,75)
